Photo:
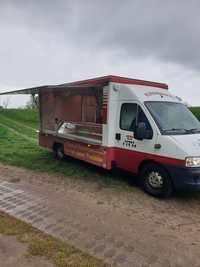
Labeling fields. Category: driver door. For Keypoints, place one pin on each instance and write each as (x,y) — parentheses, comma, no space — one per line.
(130,150)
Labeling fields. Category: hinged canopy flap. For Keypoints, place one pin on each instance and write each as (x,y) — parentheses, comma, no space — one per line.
(90,83)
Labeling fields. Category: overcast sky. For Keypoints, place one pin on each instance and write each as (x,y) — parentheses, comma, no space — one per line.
(57,41)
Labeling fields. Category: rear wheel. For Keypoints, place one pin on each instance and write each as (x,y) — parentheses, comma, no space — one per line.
(58,151)
(156,180)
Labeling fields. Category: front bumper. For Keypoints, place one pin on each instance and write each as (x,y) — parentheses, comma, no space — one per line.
(185,178)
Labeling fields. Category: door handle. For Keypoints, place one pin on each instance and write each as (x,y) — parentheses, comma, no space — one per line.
(118,136)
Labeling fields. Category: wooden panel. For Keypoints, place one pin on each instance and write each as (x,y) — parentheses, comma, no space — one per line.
(76,108)
(93,154)
(68,108)
(89,107)
(47,102)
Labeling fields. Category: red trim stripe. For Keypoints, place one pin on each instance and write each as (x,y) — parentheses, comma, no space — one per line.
(117,79)
(130,160)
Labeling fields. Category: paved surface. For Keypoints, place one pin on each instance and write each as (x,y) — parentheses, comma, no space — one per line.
(130,229)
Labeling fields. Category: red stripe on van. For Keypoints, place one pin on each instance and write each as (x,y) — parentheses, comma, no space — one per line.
(130,160)
(117,79)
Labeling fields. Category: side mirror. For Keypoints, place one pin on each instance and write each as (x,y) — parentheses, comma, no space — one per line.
(141,131)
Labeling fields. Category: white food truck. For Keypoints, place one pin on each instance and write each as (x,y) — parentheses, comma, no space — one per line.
(117,122)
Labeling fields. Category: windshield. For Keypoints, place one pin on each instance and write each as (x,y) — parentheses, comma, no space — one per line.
(173,118)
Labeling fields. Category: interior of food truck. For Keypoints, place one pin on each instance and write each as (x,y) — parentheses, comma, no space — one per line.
(76,114)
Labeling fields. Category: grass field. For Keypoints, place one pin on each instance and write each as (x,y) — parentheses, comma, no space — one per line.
(23,121)
(18,147)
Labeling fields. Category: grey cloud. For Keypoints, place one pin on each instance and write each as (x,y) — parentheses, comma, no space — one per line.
(37,34)
(167,30)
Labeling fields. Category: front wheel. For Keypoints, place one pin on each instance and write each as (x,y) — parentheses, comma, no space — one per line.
(156,180)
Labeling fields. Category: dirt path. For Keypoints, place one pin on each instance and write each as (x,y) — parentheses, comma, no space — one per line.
(129,228)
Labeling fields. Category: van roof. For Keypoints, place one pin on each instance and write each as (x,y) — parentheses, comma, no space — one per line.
(99,81)
(119,79)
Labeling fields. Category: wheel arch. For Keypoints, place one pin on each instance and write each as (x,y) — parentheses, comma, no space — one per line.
(57,144)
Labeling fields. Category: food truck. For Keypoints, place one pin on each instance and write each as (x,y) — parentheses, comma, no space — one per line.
(116,122)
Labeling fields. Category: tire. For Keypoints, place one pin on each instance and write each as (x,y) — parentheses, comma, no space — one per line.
(156,181)
(59,152)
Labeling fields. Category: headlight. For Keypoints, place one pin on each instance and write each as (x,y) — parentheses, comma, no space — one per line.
(192,162)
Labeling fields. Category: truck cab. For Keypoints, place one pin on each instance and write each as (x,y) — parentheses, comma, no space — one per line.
(155,136)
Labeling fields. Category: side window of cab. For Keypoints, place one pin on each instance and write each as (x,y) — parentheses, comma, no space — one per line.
(128,116)
(131,115)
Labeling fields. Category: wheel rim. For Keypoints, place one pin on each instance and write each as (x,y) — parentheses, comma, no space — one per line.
(155,180)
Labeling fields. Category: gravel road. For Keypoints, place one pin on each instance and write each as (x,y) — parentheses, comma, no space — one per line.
(128,228)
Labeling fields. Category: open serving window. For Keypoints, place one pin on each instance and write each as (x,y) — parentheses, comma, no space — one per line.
(74,113)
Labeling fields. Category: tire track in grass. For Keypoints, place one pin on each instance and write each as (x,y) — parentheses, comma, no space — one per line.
(19,123)
(15,126)
(34,140)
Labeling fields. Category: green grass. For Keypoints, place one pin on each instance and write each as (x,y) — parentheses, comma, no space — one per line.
(42,245)
(28,117)
(18,126)
(196,112)
(23,121)
(18,151)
